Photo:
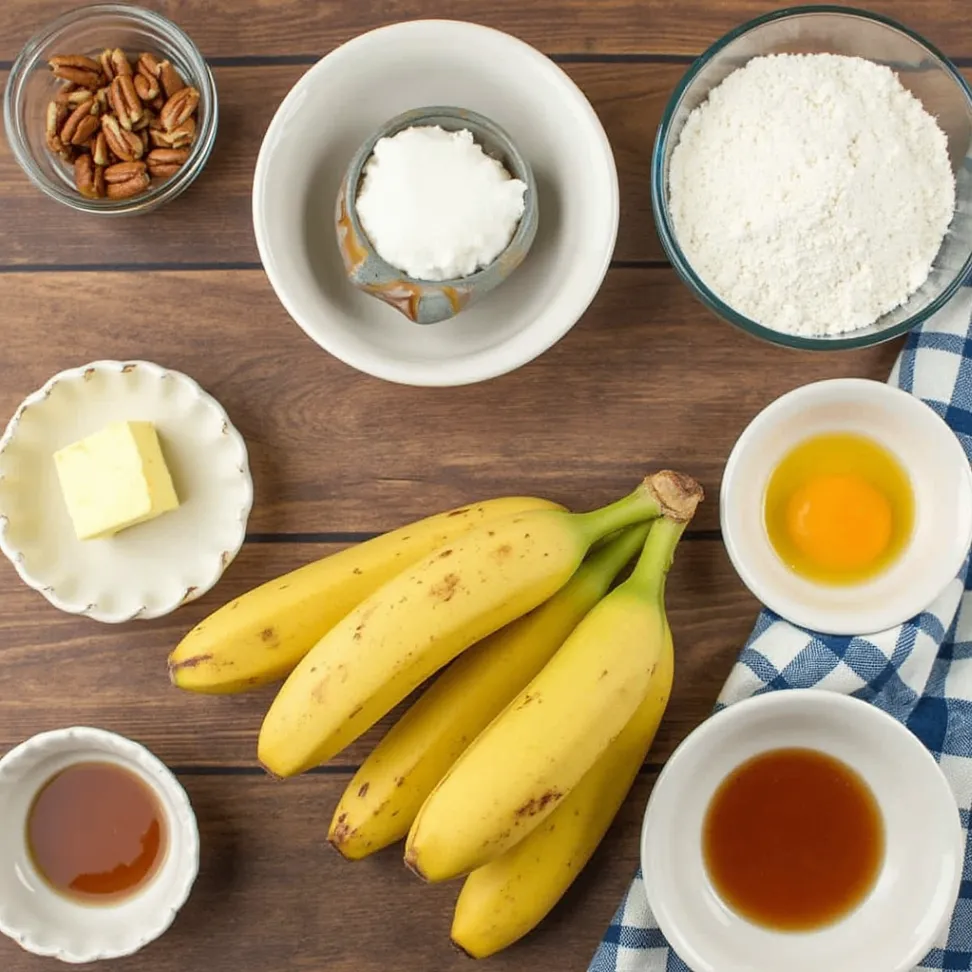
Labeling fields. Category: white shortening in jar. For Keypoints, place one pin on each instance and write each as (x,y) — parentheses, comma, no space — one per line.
(811,192)
(435,205)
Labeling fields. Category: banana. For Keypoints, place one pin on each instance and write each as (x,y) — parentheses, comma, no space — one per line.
(385,794)
(503,900)
(259,637)
(529,758)
(425,616)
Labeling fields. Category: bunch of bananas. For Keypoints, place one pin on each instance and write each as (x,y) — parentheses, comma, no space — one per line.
(512,764)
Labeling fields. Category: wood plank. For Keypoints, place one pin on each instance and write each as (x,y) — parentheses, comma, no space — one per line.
(308,27)
(646,379)
(60,670)
(211,222)
(272,895)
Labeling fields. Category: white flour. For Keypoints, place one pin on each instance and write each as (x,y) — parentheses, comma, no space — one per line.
(811,192)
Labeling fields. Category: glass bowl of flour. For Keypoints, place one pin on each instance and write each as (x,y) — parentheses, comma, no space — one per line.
(812,178)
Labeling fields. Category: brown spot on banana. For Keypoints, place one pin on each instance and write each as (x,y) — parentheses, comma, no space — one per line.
(535,805)
(446,588)
(191,662)
(465,509)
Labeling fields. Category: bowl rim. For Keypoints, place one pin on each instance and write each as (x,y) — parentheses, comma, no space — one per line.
(895,612)
(525,227)
(666,231)
(486,364)
(699,739)
(200,150)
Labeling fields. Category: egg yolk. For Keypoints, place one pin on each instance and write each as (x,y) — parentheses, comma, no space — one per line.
(841,522)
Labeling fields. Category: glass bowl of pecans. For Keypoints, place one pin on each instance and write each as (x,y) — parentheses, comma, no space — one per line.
(111,109)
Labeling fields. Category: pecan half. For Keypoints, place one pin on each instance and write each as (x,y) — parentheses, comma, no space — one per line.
(124,101)
(76,68)
(79,96)
(144,121)
(123,171)
(73,123)
(126,179)
(104,59)
(146,88)
(87,127)
(178,108)
(99,150)
(149,65)
(120,64)
(55,119)
(88,177)
(126,146)
(171,79)
(163,163)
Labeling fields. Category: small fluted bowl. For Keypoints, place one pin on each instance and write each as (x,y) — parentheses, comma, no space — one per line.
(431,301)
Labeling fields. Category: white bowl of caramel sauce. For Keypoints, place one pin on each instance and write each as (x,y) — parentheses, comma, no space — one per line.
(806,831)
(99,848)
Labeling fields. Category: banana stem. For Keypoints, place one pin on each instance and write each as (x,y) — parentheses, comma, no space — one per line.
(609,559)
(649,574)
(664,493)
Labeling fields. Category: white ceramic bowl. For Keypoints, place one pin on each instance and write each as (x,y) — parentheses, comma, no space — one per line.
(916,889)
(150,569)
(46,923)
(355,89)
(927,449)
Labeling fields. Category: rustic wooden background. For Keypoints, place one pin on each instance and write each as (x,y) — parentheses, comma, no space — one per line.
(337,456)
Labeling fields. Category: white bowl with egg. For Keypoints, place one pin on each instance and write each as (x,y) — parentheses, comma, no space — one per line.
(347,96)
(941,484)
(896,918)
(152,568)
(48,923)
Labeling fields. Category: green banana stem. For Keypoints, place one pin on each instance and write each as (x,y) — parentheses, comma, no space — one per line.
(649,574)
(664,493)
(610,557)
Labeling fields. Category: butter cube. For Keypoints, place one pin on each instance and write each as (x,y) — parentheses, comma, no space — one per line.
(114,479)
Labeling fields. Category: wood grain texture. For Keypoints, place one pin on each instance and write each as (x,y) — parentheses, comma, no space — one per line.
(211,222)
(646,379)
(118,676)
(231,28)
(273,897)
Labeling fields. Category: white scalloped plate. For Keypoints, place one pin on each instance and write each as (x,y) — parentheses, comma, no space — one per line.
(44,922)
(150,569)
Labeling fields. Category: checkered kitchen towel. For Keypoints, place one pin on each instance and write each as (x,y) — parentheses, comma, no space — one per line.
(921,672)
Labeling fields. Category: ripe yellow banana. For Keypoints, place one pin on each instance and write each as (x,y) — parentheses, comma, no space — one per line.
(531,756)
(259,637)
(503,900)
(425,616)
(385,794)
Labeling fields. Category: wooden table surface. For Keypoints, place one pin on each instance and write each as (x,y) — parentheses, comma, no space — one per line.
(646,379)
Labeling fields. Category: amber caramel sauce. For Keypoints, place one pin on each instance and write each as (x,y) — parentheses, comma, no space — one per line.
(793,840)
(96,832)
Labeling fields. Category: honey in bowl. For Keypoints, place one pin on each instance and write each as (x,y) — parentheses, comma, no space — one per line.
(96,833)
(793,840)
(839,509)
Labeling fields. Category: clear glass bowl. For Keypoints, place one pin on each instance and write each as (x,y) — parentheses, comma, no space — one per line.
(89,30)
(928,74)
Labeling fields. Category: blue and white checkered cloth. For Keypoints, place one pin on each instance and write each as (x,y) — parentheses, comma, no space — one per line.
(921,672)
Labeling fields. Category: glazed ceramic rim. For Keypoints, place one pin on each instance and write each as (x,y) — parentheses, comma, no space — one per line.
(839,622)
(169,791)
(692,750)
(526,226)
(488,364)
(669,239)
(156,195)
(222,559)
